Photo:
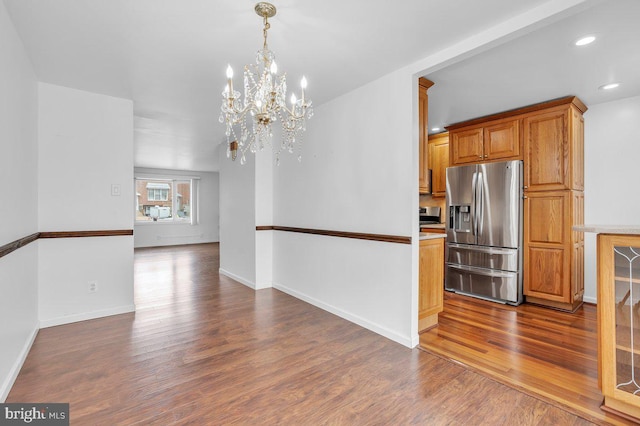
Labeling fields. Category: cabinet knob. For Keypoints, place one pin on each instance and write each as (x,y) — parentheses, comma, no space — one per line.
(525,187)
(524,197)
(487,155)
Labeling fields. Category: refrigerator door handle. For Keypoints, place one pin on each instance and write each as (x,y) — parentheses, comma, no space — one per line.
(483,249)
(483,271)
(479,204)
(474,205)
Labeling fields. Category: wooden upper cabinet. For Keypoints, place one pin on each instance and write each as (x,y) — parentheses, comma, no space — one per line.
(423,123)
(466,146)
(502,140)
(546,151)
(438,163)
(554,150)
(492,141)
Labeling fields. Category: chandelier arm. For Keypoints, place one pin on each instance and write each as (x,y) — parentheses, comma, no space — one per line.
(240,113)
(292,113)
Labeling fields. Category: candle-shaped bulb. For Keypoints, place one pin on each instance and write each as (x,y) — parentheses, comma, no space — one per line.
(293,99)
(303,84)
(273,68)
(230,80)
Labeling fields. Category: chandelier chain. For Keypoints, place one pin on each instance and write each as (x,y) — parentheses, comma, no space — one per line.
(267,25)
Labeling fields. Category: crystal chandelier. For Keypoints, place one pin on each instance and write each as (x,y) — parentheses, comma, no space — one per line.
(264,103)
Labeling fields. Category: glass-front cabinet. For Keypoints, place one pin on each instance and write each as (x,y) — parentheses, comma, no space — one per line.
(619,322)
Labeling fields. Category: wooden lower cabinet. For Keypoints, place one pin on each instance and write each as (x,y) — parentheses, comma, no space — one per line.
(553,252)
(431,282)
(619,323)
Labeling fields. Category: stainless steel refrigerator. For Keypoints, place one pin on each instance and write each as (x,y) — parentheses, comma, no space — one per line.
(484,231)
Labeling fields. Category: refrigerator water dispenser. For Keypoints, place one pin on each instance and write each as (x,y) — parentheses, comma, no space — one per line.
(460,218)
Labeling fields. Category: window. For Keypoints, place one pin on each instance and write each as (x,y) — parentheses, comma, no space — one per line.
(157,191)
(164,200)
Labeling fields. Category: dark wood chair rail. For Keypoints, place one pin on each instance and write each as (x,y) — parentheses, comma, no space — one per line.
(15,245)
(342,234)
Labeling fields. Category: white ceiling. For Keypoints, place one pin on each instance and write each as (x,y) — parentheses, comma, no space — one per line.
(544,65)
(169,57)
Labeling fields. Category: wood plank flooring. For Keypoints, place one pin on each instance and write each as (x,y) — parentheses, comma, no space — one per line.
(204,349)
(544,352)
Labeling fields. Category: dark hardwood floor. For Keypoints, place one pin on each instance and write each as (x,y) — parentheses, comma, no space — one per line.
(203,349)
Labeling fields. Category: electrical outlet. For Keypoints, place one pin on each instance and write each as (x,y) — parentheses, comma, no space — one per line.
(93,286)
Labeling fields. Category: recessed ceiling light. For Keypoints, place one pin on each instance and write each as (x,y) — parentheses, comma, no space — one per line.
(435,129)
(609,86)
(583,41)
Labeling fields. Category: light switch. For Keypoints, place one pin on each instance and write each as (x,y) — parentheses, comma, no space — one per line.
(115,190)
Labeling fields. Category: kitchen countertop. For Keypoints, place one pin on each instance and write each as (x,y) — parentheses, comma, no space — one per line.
(608,229)
(429,236)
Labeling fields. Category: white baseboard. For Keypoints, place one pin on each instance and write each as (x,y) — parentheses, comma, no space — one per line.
(68,319)
(13,373)
(241,280)
(389,334)
(590,300)
(415,341)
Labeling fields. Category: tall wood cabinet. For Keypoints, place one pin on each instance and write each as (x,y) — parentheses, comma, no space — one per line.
(554,202)
(423,123)
(438,163)
(549,138)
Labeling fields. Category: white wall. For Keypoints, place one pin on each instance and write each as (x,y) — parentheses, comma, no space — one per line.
(66,266)
(612,150)
(208,208)
(18,186)
(246,201)
(85,145)
(238,219)
(358,174)
(264,216)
